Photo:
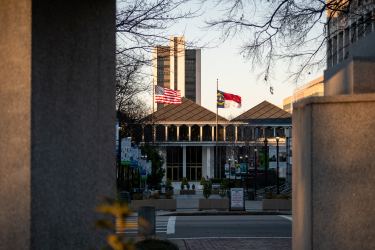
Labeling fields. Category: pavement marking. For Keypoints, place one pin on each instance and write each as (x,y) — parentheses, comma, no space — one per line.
(229,237)
(130,225)
(288,217)
(171,225)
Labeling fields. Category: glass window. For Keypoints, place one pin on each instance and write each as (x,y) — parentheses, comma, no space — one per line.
(174,163)
(193,163)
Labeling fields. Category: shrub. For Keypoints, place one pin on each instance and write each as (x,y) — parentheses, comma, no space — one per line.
(182,186)
(203,180)
(222,192)
(155,195)
(224,184)
(188,186)
(137,196)
(207,189)
(155,244)
(169,194)
(193,187)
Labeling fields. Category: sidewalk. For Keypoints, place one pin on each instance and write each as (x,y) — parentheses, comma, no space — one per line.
(234,243)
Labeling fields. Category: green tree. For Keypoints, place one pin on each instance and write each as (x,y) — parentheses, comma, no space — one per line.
(157,172)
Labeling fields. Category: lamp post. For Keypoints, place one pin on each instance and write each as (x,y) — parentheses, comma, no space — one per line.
(255,172)
(265,161)
(277,165)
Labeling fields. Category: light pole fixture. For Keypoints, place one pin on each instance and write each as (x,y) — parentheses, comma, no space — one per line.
(255,173)
(265,161)
(277,165)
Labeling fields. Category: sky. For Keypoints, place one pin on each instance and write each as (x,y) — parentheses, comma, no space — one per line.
(222,60)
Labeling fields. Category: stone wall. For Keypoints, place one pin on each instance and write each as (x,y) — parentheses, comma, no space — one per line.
(57,159)
(334,173)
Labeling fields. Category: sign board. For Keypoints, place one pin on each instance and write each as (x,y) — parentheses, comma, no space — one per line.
(237,199)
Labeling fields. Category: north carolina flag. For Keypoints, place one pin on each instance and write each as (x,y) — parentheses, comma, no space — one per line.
(227,100)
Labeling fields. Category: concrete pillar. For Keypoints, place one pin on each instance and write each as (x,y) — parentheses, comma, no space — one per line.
(166,132)
(334,173)
(235,133)
(178,132)
(201,133)
(57,68)
(189,132)
(208,161)
(183,161)
(224,133)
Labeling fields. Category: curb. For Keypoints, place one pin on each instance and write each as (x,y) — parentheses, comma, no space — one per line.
(200,213)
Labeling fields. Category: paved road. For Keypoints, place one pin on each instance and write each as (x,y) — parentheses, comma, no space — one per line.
(240,232)
(232,226)
(269,232)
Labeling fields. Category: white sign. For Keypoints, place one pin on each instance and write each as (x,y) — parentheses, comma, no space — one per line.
(237,199)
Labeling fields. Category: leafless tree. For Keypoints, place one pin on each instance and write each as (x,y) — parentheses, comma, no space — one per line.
(295,30)
(141,25)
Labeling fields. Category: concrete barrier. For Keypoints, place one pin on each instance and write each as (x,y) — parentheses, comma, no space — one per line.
(217,204)
(276,204)
(159,204)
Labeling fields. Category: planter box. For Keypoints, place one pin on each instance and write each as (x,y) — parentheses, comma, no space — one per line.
(185,191)
(159,204)
(217,204)
(276,204)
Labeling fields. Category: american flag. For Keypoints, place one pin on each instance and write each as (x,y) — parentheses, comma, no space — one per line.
(168,96)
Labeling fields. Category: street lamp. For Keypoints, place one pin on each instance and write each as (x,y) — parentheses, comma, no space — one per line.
(277,165)
(265,161)
(256,172)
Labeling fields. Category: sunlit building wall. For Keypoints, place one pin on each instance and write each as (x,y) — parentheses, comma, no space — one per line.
(350,49)
(312,88)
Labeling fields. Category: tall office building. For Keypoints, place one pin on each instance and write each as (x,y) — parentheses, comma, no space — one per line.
(350,49)
(178,68)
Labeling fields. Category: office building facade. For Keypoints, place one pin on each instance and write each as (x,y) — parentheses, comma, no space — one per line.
(178,68)
(350,62)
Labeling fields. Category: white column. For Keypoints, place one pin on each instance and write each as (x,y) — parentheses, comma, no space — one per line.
(224,133)
(166,133)
(189,133)
(208,160)
(213,133)
(235,133)
(201,132)
(178,132)
(184,161)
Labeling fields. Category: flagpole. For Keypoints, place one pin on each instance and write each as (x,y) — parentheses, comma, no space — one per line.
(153,110)
(153,96)
(217,131)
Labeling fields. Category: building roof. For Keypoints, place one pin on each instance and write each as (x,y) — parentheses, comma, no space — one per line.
(187,111)
(265,113)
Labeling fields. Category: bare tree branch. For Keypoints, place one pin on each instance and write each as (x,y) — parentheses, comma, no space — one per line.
(286,29)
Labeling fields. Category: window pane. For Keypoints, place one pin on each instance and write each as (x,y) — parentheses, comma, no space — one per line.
(193,174)
(169,173)
(199,174)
